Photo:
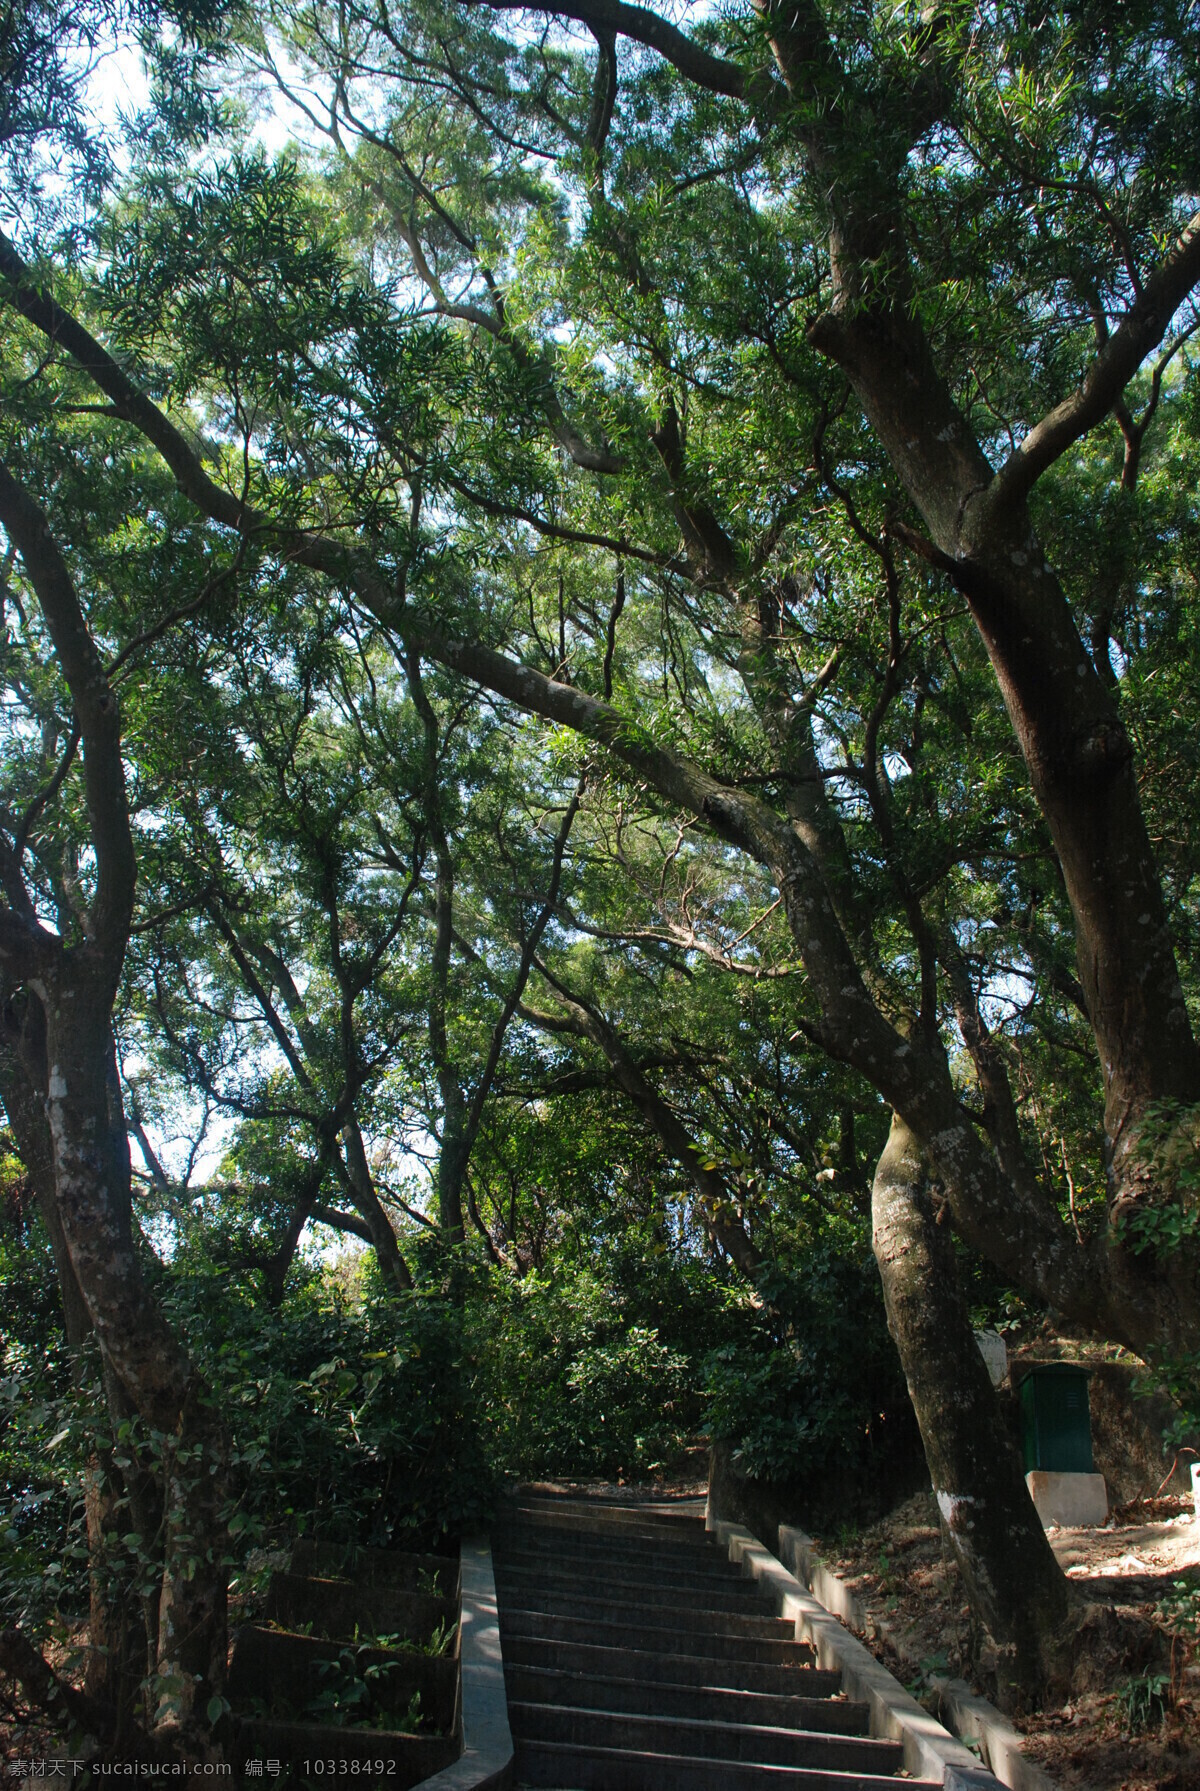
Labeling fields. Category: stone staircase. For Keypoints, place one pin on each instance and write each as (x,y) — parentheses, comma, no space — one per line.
(637,1658)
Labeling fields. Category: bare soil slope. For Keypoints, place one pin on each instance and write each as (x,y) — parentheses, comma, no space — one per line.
(1121,1738)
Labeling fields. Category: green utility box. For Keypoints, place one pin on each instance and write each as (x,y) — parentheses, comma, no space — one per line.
(1056,1420)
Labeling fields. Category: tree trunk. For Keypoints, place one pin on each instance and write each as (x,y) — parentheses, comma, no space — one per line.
(1016,1589)
(120,1647)
(360,1186)
(91,1172)
(75,985)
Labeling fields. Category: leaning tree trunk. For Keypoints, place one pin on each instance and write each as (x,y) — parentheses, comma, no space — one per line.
(1016,1589)
(360,1185)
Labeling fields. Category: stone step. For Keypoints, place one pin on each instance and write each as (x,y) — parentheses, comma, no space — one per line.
(745,1743)
(651,1613)
(795,1679)
(697,1591)
(634,1694)
(656,1639)
(638,1658)
(554,1593)
(547,1763)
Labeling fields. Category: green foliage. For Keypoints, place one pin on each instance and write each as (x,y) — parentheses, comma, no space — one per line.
(353,1420)
(349,1419)
(411,337)
(1169,1144)
(924,1686)
(1144,1700)
(46,1419)
(353,1692)
(1179,1610)
(576,1381)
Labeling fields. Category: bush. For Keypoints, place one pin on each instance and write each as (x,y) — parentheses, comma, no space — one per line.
(576,1385)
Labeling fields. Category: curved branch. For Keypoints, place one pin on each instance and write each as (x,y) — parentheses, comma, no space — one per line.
(1118,359)
(718,1208)
(695,64)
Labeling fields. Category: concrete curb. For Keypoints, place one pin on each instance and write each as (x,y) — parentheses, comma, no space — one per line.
(930,1751)
(964,1711)
(1002,1745)
(486,1762)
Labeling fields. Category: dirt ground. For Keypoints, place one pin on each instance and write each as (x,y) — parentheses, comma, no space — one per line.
(916,1620)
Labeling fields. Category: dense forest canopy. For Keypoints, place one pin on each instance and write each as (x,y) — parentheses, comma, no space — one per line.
(600,673)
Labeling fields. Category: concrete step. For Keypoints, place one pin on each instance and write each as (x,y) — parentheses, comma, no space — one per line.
(550,1685)
(655,1639)
(703,1592)
(550,1542)
(605,1513)
(801,1678)
(685,1532)
(695,1567)
(745,1743)
(650,1613)
(638,1658)
(547,1763)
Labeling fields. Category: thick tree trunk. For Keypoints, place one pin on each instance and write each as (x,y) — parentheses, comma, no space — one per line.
(1064,716)
(75,986)
(91,1172)
(23,1094)
(1016,1589)
(120,1637)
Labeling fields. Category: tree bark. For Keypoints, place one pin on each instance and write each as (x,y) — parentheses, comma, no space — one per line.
(1064,715)
(23,1095)
(117,1650)
(1016,1589)
(91,1165)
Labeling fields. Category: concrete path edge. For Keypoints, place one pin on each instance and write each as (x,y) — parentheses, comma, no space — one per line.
(930,1751)
(969,1714)
(965,1711)
(486,1761)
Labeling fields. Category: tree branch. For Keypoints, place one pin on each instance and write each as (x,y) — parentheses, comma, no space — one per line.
(111,909)
(1115,364)
(694,63)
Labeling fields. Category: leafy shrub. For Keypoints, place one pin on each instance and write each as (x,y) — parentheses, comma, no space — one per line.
(348,1414)
(576,1385)
(1143,1701)
(351,1417)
